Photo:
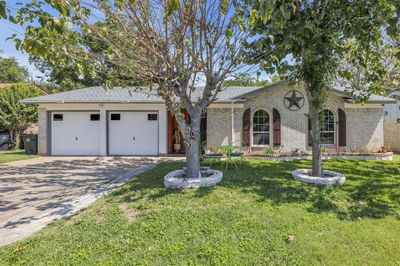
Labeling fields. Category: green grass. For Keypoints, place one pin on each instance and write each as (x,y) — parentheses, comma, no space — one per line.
(15,155)
(244,220)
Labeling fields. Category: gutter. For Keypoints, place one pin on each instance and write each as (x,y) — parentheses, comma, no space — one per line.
(373,102)
(121,101)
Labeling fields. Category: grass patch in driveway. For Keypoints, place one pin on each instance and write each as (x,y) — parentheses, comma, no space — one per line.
(14,155)
(247,219)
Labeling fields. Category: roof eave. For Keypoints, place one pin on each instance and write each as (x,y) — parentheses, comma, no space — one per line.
(372,101)
(103,102)
(80,102)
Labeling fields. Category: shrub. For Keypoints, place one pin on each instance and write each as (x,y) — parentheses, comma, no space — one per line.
(269,151)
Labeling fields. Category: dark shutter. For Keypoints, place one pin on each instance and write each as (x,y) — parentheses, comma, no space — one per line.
(203,128)
(277,127)
(342,127)
(246,128)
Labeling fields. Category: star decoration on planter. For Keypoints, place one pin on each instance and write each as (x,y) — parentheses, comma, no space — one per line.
(294,100)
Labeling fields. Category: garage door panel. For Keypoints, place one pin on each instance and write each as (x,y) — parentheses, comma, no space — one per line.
(133,134)
(76,134)
(136,117)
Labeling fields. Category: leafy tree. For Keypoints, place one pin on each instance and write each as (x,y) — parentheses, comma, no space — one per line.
(66,77)
(358,74)
(245,79)
(305,40)
(171,44)
(11,71)
(15,116)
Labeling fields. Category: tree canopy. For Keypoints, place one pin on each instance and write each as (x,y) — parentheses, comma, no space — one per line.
(67,76)
(245,79)
(357,76)
(11,71)
(15,116)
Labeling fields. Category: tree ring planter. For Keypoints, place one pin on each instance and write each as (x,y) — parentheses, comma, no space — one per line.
(330,178)
(176,179)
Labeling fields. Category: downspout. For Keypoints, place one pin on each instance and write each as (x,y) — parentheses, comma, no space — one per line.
(232,122)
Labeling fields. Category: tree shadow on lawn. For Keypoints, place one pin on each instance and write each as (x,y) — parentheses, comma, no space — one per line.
(148,185)
(372,189)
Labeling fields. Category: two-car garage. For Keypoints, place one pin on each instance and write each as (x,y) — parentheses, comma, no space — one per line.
(121,132)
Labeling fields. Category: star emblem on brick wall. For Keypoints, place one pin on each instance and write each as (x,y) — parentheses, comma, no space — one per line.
(294,100)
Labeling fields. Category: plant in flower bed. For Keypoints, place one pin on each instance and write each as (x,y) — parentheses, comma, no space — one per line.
(269,151)
(326,151)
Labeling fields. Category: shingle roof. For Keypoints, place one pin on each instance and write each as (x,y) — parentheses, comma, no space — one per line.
(144,95)
(127,94)
(373,98)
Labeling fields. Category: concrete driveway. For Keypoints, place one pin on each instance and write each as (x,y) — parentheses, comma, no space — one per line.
(35,192)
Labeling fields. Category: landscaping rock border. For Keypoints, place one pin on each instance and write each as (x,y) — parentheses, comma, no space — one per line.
(174,181)
(304,175)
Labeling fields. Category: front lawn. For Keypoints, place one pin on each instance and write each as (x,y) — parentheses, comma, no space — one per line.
(15,155)
(247,219)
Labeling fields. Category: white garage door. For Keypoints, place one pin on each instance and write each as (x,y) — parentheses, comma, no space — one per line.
(75,133)
(133,133)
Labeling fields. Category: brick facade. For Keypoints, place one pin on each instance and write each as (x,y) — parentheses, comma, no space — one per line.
(364,126)
(392,134)
(42,135)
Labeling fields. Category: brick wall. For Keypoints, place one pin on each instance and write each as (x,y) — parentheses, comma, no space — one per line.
(364,125)
(219,127)
(42,135)
(365,128)
(392,135)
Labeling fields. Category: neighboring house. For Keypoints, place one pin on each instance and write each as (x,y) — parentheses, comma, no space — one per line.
(128,121)
(392,122)
(392,111)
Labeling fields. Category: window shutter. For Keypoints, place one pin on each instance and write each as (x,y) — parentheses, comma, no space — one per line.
(277,127)
(342,127)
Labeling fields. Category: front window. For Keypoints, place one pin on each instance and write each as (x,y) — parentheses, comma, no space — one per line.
(261,128)
(327,128)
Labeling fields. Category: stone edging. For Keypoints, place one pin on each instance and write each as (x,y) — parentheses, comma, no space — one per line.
(172,181)
(304,175)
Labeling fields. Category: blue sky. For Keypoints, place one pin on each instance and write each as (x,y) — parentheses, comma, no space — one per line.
(8,48)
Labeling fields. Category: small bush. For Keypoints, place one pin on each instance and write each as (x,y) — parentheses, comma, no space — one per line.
(269,151)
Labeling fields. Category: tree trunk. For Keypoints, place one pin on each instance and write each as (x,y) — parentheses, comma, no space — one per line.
(192,138)
(315,137)
(11,132)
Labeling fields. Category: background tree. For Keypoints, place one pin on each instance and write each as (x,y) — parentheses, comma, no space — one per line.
(11,71)
(304,40)
(172,44)
(15,116)
(357,74)
(65,77)
(245,79)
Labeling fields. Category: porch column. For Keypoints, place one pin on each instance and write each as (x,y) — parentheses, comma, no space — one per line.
(232,123)
(103,130)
